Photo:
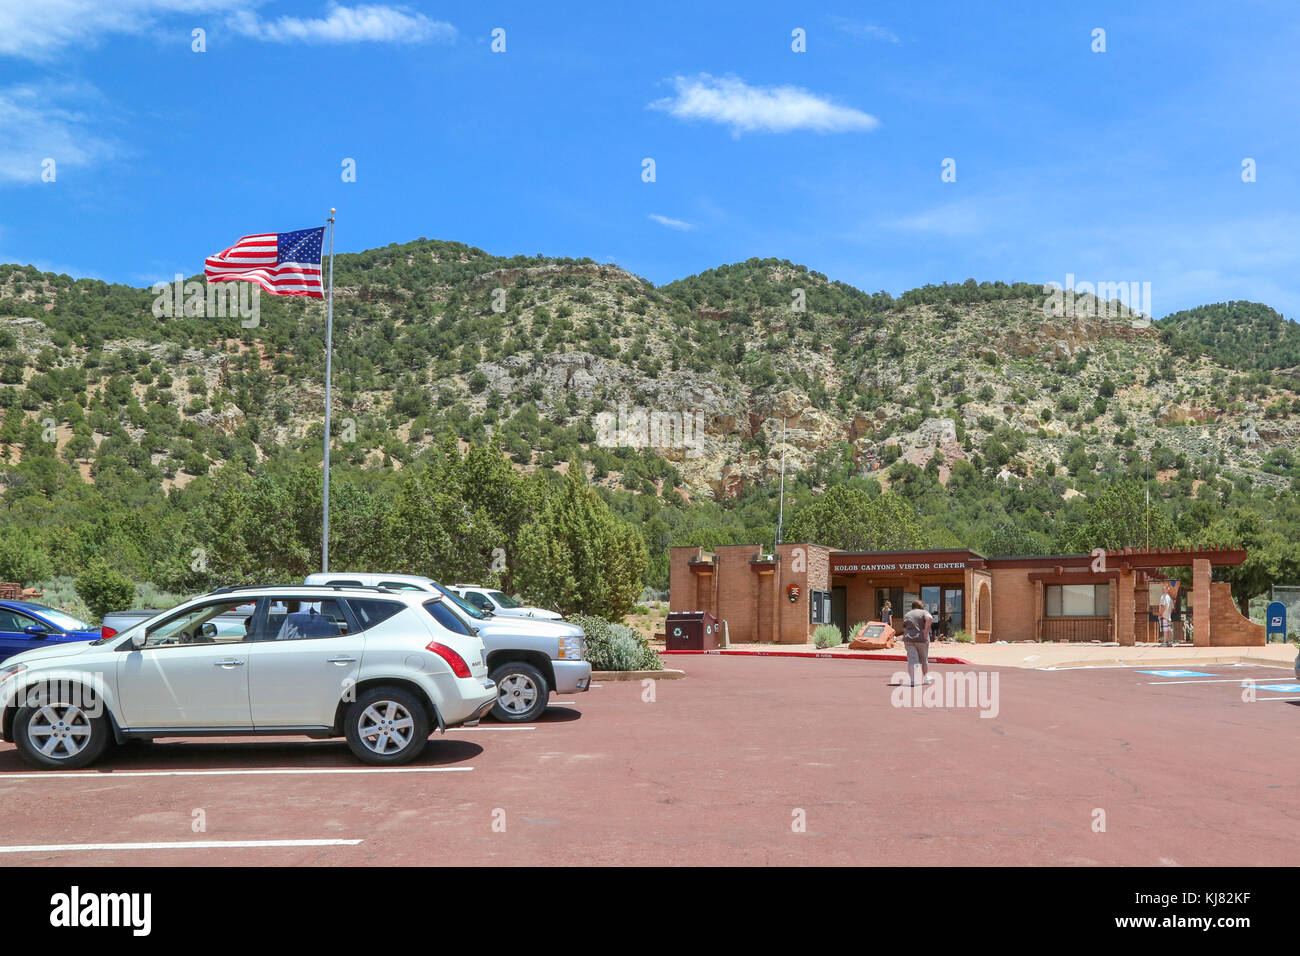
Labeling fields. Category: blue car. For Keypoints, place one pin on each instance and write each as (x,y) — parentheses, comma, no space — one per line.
(26,626)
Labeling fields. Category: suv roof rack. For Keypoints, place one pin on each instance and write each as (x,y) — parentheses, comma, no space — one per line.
(227,588)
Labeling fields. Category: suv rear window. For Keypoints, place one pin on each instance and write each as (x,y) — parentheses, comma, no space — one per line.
(370,613)
(447,618)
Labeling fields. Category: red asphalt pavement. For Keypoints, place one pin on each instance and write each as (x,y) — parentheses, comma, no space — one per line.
(714,770)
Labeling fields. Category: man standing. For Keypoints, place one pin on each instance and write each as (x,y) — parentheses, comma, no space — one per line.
(916,641)
(1166,616)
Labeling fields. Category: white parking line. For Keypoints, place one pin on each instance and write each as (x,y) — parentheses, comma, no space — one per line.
(109,775)
(1215,680)
(1148,665)
(187,845)
(1257,699)
(450,729)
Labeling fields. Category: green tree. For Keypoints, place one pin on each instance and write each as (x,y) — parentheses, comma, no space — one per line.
(267,527)
(1271,557)
(847,518)
(22,559)
(578,557)
(1120,517)
(434,531)
(104,588)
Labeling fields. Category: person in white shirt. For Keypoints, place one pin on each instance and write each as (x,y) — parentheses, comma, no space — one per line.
(1166,616)
(916,641)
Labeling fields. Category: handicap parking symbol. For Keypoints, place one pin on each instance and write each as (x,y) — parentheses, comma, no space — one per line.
(1279,688)
(1177,673)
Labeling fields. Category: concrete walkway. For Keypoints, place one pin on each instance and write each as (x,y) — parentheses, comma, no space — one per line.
(1034,655)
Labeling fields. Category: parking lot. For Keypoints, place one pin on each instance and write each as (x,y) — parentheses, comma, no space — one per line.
(748,760)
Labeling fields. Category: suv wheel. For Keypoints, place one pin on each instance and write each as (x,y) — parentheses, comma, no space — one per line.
(387,725)
(59,736)
(522,693)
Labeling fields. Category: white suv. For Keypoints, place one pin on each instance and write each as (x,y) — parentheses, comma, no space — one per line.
(527,657)
(498,602)
(379,667)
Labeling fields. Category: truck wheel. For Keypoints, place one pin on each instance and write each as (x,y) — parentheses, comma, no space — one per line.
(522,693)
(59,736)
(386,725)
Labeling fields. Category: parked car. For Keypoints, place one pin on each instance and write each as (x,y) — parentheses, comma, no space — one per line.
(381,668)
(527,657)
(498,602)
(24,626)
(117,622)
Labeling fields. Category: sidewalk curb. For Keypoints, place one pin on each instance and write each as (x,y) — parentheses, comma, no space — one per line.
(667,673)
(830,654)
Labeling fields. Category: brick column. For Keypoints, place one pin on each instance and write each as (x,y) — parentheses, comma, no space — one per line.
(1038,610)
(1125,609)
(1201,602)
(778,585)
(1114,608)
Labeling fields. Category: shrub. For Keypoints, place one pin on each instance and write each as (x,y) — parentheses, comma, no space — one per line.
(964,637)
(857,629)
(105,589)
(61,592)
(827,635)
(615,647)
(150,595)
(625,652)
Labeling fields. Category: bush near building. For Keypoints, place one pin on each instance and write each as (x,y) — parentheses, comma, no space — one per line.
(615,647)
(827,635)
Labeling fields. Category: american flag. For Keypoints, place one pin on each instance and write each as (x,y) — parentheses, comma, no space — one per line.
(282,263)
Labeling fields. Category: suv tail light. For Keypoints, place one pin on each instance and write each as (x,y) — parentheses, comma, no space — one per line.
(458,665)
(105,632)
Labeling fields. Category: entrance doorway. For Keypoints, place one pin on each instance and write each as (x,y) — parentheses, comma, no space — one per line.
(945,602)
(839,609)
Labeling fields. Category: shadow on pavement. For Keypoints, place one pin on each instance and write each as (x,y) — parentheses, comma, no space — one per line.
(225,754)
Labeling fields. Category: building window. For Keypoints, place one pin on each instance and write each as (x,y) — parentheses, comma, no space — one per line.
(1078,600)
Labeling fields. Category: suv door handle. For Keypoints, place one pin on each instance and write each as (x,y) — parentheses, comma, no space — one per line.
(228,662)
(340,660)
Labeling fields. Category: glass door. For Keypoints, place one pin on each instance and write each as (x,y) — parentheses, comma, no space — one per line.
(931,597)
(951,619)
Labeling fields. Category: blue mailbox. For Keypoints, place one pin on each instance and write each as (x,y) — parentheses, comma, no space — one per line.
(1275,622)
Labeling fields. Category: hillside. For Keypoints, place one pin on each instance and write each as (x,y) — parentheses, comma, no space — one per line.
(965,373)
(999,422)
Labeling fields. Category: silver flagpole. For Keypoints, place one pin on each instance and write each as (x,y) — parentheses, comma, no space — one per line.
(329,355)
(780,514)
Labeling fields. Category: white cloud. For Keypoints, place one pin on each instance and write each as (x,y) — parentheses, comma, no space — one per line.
(868,31)
(672,223)
(777,109)
(37,29)
(34,127)
(363,23)
(954,220)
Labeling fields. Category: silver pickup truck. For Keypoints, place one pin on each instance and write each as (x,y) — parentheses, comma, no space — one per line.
(527,657)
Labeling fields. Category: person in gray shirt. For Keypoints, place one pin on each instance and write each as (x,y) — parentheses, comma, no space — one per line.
(916,641)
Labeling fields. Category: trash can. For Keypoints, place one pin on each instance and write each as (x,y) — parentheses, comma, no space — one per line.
(692,631)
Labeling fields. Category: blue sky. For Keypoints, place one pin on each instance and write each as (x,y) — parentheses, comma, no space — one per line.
(1117,166)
